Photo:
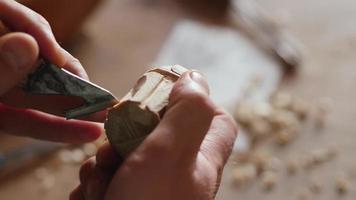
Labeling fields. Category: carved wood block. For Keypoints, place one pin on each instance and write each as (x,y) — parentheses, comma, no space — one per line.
(136,115)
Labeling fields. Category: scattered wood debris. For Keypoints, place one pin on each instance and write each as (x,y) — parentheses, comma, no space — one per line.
(281,117)
(279,121)
(342,185)
(293,166)
(315,187)
(269,180)
(319,156)
(244,174)
(322,112)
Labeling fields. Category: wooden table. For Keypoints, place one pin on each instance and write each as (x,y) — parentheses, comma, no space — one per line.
(124,36)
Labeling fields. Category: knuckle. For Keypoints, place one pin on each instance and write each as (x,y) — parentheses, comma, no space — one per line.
(198,101)
(86,169)
(74,195)
(230,122)
(74,62)
(42,21)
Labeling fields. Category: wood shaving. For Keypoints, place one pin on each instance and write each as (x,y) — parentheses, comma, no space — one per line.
(282,100)
(269,180)
(293,166)
(342,185)
(315,187)
(244,174)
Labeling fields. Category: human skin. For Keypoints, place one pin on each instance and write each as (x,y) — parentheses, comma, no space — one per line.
(26,36)
(183,158)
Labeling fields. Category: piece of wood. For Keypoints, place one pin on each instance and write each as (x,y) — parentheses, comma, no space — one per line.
(138,113)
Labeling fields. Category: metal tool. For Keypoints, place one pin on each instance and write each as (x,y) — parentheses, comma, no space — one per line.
(269,34)
(49,79)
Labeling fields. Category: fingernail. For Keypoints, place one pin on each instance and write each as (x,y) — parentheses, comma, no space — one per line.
(196,76)
(15,55)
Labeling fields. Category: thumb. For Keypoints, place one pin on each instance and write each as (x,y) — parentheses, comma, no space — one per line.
(187,119)
(18,55)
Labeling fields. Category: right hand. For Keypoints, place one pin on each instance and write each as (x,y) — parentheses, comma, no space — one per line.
(20,114)
(183,158)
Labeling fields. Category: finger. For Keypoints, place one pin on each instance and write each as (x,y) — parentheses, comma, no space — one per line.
(18,54)
(94,181)
(20,18)
(48,103)
(186,120)
(47,127)
(218,143)
(86,170)
(56,105)
(77,194)
(107,159)
(73,65)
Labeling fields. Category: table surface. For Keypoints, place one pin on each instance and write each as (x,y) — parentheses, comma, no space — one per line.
(124,36)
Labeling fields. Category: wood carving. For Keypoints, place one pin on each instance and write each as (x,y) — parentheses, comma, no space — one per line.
(138,113)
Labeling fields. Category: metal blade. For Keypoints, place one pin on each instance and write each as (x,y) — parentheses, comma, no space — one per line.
(49,79)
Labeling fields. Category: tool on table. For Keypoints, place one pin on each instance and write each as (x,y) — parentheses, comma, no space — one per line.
(228,60)
(49,79)
(266,32)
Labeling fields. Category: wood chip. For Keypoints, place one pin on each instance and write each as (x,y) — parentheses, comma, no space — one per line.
(284,119)
(284,137)
(315,187)
(244,113)
(322,112)
(282,100)
(342,185)
(244,174)
(260,160)
(262,110)
(293,166)
(260,128)
(301,108)
(269,180)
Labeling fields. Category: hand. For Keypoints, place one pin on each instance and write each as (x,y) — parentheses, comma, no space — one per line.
(31,36)
(183,158)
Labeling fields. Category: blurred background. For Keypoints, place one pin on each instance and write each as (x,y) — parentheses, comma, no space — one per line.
(284,69)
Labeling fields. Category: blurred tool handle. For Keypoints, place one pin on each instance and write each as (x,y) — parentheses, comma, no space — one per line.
(268,33)
(65,16)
